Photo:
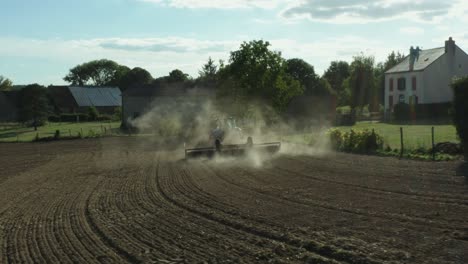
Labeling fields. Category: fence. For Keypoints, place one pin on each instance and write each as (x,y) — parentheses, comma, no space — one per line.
(18,133)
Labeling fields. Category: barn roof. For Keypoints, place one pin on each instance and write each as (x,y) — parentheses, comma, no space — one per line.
(426,58)
(96,96)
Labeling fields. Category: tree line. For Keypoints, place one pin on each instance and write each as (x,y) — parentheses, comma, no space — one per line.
(254,72)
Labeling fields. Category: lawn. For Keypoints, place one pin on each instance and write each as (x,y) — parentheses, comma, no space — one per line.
(18,133)
(414,136)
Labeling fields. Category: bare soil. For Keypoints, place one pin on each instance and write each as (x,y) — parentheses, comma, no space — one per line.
(122,200)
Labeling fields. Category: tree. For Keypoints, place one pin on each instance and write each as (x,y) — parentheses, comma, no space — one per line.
(362,82)
(135,77)
(5,84)
(177,76)
(34,105)
(97,73)
(460,111)
(336,74)
(392,60)
(255,72)
(208,70)
(305,74)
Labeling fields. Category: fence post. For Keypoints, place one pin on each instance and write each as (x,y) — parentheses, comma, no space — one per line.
(401,141)
(433,145)
(81,131)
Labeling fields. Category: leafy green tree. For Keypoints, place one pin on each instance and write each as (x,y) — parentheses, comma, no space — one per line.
(34,105)
(97,73)
(256,72)
(460,111)
(92,113)
(177,76)
(5,84)
(208,70)
(392,60)
(305,74)
(135,77)
(362,82)
(336,73)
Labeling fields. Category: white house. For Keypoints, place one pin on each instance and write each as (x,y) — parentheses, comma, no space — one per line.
(424,76)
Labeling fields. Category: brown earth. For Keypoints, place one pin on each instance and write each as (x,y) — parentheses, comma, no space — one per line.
(119,200)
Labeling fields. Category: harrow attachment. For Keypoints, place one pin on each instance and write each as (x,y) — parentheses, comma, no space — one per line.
(233,149)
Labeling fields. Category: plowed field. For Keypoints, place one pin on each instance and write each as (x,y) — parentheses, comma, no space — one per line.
(121,200)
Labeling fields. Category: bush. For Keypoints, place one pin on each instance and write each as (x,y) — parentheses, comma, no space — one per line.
(117,113)
(54,118)
(402,112)
(460,111)
(93,113)
(364,141)
(104,118)
(57,134)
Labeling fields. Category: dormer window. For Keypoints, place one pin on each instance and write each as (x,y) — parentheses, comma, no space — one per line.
(401,84)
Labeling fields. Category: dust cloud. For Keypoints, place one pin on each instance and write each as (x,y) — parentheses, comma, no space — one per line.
(181,123)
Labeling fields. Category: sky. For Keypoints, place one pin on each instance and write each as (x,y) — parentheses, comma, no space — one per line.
(41,40)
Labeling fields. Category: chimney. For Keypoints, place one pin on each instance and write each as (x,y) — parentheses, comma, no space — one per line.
(412,58)
(450,47)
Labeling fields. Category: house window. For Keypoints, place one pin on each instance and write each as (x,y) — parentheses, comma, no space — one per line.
(402,84)
(401,99)
(390,101)
(391,84)
(413,83)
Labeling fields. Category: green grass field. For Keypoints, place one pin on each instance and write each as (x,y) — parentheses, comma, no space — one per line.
(414,136)
(18,133)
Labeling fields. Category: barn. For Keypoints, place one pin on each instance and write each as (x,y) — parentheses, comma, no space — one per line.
(77,99)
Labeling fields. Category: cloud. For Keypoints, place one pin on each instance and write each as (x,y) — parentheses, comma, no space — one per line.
(161,55)
(177,45)
(218,4)
(412,30)
(363,11)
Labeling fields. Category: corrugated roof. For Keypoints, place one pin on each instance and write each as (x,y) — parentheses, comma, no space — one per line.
(426,57)
(96,96)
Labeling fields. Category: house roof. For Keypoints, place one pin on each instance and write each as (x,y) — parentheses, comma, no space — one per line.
(426,58)
(96,96)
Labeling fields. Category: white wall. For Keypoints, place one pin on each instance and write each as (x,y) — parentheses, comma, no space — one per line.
(409,87)
(439,75)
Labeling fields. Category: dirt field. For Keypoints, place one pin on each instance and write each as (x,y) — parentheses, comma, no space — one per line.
(119,200)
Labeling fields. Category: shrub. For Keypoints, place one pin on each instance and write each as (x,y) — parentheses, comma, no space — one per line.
(92,113)
(54,118)
(460,111)
(402,112)
(117,113)
(57,134)
(104,118)
(364,141)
